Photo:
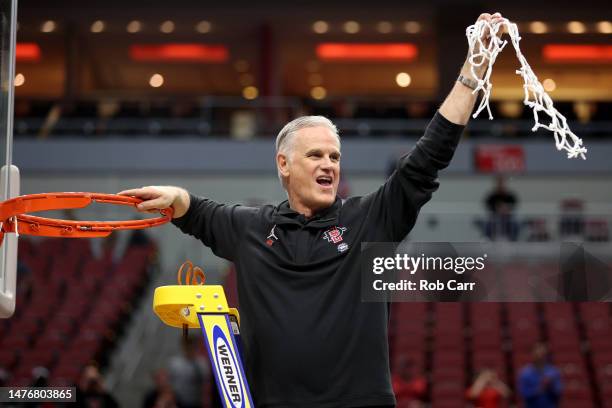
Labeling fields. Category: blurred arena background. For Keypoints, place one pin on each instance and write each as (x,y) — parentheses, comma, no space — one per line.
(113,95)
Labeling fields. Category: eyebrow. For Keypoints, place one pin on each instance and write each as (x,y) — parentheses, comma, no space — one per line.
(319,151)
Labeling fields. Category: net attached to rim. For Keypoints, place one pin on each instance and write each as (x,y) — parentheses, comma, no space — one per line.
(535,96)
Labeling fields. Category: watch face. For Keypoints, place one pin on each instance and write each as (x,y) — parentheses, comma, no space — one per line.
(467,82)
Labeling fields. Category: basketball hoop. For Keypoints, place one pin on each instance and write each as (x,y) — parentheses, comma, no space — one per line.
(535,96)
(14,218)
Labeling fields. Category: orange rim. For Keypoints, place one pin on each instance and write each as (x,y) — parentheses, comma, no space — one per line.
(13,213)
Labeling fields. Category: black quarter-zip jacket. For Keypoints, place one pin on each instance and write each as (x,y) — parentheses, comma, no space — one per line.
(309,340)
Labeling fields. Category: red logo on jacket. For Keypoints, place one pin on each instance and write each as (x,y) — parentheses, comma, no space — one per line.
(334,235)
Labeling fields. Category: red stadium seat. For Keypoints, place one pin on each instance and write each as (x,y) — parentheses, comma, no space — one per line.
(26,327)
(447,392)
(24,380)
(65,374)
(581,402)
(417,359)
(491,359)
(37,357)
(591,310)
(601,343)
(56,299)
(604,373)
(487,342)
(8,357)
(448,402)
(602,358)
(16,341)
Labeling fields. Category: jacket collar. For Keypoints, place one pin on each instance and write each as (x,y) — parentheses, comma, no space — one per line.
(284,214)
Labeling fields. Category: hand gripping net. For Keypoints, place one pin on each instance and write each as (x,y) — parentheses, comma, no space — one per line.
(535,96)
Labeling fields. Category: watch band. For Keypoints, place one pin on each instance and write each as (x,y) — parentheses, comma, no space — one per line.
(470,83)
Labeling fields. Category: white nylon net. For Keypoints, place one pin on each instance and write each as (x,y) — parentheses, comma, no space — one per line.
(535,95)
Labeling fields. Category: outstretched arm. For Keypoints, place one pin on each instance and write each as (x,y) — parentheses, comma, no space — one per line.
(219,226)
(459,104)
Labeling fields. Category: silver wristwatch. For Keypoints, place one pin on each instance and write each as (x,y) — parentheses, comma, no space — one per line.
(470,83)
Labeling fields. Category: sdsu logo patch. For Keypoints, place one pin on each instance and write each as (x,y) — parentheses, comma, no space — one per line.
(334,235)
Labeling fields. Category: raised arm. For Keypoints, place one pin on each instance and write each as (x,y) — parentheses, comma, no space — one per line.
(459,104)
(397,203)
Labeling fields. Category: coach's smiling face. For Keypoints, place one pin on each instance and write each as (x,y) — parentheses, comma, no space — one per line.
(311,170)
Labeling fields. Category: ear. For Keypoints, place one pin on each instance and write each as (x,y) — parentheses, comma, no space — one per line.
(282,163)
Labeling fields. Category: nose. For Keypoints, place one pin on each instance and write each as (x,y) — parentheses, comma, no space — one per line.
(328,163)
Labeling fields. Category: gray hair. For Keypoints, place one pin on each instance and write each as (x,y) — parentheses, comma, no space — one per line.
(285,139)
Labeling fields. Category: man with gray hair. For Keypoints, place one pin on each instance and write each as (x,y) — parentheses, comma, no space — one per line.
(308,339)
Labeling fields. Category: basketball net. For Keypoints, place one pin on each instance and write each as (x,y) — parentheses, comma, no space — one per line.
(535,95)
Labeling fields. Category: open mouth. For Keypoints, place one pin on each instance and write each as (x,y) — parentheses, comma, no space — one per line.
(324,181)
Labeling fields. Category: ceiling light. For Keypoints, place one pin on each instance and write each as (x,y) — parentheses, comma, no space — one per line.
(156,80)
(403,79)
(538,27)
(250,92)
(134,26)
(351,27)
(167,27)
(203,27)
(604,27)
(48,26)
(576,27)
(549,85)
(97,26)
(320,27)
(384,27)
(412,27)
(318,92)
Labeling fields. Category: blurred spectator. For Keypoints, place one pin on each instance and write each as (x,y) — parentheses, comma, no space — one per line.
(40,377)
(161,396)
(188,374)
(487,391)
(22,269)
(409,387)
(596,230)
(139,238)
(91,391)
(571,222)
(539,383)
(537,230)
(4,377)
(501,204)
